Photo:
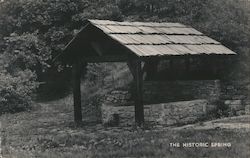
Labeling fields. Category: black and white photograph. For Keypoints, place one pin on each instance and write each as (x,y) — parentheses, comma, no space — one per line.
(124,79)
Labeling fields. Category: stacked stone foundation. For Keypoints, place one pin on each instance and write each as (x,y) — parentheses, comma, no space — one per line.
(177,102)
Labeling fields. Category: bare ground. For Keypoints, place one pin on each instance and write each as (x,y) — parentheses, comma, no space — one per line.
(48,131)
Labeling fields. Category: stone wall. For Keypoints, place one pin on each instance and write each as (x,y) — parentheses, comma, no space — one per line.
(236,96)
(162,92)
(233,97)
(168,91)
(174,113)
(118,98)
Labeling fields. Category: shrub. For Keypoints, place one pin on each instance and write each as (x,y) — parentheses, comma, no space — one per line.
(23,56)
(16,92)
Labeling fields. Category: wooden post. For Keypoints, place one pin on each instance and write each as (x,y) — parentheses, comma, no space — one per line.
(76,74)
(139,109)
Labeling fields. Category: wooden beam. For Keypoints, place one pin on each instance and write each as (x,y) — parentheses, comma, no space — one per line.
(139,109)
(76,78)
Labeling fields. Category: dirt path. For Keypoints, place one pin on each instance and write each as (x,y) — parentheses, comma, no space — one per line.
(48,131)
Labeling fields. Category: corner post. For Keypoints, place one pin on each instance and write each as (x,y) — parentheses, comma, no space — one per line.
(139,108)
(76,78)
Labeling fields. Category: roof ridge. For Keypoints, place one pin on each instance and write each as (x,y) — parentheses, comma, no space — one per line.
(159,44)
(137,23)
(141,33)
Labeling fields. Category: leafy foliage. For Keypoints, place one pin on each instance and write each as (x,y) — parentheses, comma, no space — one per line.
(25,51)
(23,56)
(32,34)
(16,92)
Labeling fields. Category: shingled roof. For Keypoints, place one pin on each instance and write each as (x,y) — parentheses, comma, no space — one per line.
(157,39)
(150,39)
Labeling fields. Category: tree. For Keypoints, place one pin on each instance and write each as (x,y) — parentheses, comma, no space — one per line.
(33,33)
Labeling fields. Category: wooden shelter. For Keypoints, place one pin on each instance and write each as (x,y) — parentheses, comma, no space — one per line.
(135,43)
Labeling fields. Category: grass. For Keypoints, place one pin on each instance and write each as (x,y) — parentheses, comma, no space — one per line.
(148,144)
(48,131)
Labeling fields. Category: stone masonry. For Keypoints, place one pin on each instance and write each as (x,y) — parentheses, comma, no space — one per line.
(168,91)
(157,95)
(159,114)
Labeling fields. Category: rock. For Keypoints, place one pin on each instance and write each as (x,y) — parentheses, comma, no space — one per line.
(110,115)
(54,130)
(210,108)
(233,102)
(247,109)
(234,105)
(241,112)
(237,97)
(169,122)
